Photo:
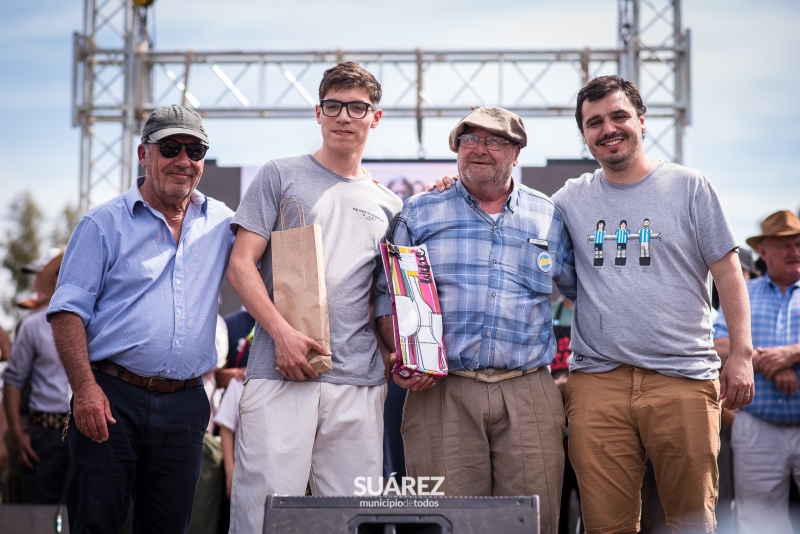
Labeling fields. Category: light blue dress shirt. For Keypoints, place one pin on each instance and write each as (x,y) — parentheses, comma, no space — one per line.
(774,321)
(34,359)
(148,304)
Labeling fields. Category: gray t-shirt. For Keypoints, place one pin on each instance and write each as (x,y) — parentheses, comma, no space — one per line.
(354,215)
(644,286)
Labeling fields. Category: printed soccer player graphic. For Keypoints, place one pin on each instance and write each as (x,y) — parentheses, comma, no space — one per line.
(622,242)
(598,236)
(645,235)
(621,236)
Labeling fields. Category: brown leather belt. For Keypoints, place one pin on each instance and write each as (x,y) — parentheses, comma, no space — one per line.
(150,383)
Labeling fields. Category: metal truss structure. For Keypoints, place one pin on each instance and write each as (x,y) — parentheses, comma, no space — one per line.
(118,79)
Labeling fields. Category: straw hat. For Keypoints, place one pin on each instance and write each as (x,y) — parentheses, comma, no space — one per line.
(780,224)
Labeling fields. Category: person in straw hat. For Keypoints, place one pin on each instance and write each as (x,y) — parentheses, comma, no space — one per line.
(765,436)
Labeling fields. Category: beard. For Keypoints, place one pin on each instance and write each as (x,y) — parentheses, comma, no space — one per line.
(491,172)
(615,162)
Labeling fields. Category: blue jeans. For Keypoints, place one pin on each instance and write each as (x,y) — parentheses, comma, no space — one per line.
(154,453)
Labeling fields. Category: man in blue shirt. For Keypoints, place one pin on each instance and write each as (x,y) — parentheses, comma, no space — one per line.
(133,319)
(34,361)
(766,434)
(495,425)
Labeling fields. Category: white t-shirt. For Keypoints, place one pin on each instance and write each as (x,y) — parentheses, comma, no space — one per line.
(228,412)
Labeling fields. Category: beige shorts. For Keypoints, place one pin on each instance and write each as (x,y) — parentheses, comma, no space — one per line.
(617,420)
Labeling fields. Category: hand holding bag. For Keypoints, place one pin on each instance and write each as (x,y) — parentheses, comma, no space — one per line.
(298,282)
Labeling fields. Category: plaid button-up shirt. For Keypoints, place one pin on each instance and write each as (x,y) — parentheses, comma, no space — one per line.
(494,277)
(775,322)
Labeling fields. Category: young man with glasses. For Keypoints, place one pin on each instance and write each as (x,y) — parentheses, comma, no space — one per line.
(133,319)
(298,427)
(495,425)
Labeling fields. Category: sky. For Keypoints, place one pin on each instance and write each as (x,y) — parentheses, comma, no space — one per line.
(744,134)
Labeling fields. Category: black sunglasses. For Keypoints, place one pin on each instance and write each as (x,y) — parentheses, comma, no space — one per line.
(170,149)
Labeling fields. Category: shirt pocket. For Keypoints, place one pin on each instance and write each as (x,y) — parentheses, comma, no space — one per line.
(535,264)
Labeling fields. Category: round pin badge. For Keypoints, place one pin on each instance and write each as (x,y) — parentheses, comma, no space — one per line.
(545,261)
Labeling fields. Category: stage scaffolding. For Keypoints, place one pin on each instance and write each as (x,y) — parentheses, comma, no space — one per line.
(119,78)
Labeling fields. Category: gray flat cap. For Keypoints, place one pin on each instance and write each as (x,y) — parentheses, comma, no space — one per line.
(495,120)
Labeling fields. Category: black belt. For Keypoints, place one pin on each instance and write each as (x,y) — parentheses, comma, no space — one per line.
(150,383)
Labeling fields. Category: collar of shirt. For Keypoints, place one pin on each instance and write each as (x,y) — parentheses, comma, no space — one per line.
(775,287)
(133,196)
(511,203)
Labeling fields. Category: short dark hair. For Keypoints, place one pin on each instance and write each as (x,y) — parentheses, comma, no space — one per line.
(601,87)
(350,74)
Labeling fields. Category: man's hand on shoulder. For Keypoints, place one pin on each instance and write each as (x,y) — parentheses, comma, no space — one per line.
(442,184)
(92,412)
(291,349)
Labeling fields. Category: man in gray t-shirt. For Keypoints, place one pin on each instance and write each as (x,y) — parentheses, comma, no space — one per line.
(298,427)
(645,380)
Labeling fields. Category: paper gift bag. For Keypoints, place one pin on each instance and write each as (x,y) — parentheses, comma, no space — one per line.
(416,313)
(298,282)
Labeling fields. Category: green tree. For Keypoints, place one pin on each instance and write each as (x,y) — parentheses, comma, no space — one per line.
(22,244)
(64,225)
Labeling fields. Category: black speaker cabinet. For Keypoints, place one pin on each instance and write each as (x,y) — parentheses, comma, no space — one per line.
(402,515)
(33,519)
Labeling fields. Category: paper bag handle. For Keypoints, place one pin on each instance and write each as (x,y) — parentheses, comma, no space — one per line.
(389,236)
(285,202)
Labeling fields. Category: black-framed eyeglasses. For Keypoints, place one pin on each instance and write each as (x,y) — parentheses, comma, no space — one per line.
(171,149)
(492,143)
(355,109)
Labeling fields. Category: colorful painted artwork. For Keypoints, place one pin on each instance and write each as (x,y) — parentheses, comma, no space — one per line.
(416,312)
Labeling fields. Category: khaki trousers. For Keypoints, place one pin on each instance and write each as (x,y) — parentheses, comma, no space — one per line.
(498,439)
(618,419)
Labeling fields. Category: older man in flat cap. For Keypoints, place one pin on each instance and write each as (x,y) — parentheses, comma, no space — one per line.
(495,425)
(134,318)
(766,433)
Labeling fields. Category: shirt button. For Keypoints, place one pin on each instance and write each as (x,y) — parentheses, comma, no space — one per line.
(178,282)
(494,261)
(177,342)
(494,294)
(488,334)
